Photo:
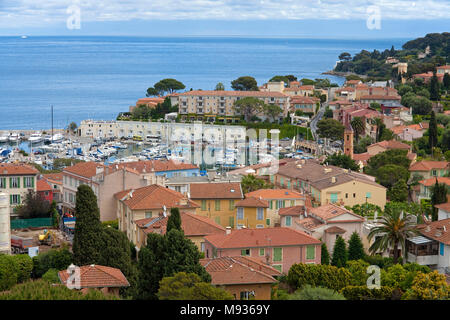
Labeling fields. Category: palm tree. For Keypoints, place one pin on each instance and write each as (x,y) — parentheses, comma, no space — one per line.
(358,127)
(395,227)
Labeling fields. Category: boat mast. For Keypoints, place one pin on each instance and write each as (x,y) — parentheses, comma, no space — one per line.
(52,125)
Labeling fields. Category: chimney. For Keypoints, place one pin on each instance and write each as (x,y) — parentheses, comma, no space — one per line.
(228,230)
(333,179)
(99,169)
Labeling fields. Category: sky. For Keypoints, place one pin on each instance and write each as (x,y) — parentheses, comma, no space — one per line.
(256,18)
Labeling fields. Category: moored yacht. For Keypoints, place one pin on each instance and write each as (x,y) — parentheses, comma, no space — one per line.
(36,138)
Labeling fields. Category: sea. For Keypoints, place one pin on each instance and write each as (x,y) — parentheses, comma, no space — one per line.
(96,77)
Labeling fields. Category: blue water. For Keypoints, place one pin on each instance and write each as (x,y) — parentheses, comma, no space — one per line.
(98,77)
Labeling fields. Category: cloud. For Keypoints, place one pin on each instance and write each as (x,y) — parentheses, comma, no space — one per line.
(19,13)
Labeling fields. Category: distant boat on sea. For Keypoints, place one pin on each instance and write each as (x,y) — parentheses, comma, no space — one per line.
(24,37)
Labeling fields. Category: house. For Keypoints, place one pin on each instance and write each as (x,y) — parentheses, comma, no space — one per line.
(325,222)
(352,83)
(195,228)
(426,187)
(443,70)
(16,180)
(426,77)
(55,180)
(410,132)
(443,211)
(345,93)
(299,90)
(147,202)
(432,246)
(330,184)
(44,190)
(280,247)
(106,279)
(277,198)
(217,200)
(385,145)
(304,104)
(105,181)
(182,184)
(148,102)
(430,169)
(243,277)
(251,213)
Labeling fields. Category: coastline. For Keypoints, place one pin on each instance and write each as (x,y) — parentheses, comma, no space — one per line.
(343,74)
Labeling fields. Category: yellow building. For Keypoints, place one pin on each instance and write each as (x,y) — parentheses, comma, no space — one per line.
(251,213)
(217,200)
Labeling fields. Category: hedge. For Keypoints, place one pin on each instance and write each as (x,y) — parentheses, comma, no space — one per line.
(364,293)
(14,269)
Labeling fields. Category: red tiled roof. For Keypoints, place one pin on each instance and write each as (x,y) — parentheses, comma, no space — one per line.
(437,230)
(335,229)
(56,178)
(252,202)
(262,94)
(391,144)
(226,190)
(444,206)
(246,238)
(9,169)
(154,197)
(85,169)
(329,211)
(446,67)
(95,276)
(154,165)
(361,157)
(275,194)
(238,270)
(42,185)
(431,181)
(428,165)
(302,99)
(292,211)
(380,97)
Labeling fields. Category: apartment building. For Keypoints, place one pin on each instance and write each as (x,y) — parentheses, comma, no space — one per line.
(16,180)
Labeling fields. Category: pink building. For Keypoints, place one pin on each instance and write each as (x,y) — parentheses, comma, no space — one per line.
(278,247)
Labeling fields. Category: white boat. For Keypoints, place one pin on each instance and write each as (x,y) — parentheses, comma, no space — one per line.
(36,138)
(4,138)
(14,137)
(58,137)
(24,37)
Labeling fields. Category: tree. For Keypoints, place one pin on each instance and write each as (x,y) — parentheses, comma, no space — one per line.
(325,255)
(272,111)
(355,247)
(399,191)
(168,85)
(394,228)
(249,106)
(87,237)
(340,254)
(446,81)
(34,207)
(358,127)
(328,113)
(141,112)
(163,256)
(390,174)
(317,293)
(429,286)
(174,221)
(245,83)
(188,286)
(331,129)
(151,92)
(438,196)
(345,56)
(59,259)
(285,79)
(378,122)
(392,156)
(250,183)
(72,126)
(434,88)
(432,131)
(219,87)
(342,161)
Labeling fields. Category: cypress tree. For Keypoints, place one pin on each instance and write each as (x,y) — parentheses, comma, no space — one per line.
(434,88)
(438,196)
(339,258)
(446,81)
(88,229)
(325,255)
(355,247)
(432,131)
(174,221)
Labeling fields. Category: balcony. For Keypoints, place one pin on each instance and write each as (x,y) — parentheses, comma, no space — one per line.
(422,251)
(424,260)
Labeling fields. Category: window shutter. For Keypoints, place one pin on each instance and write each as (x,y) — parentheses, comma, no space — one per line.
(18,183)
(10,183)
(310,252)
(32,182)
(18,199)
(10,198)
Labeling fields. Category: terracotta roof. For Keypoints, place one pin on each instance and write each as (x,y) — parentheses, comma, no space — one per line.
(95,276)
(446,67)
(262,94)
(437,230)
(192,225)
(275,194)
(292,211)
(85,169)
(252,202)
(309,223)
(56,178)
(330,211)
(391,144)
(361,157)
(8,169)
(444,206)
(226,190)
(380,97)
(42,185)
(154,197)
(431,181)
(246,238)
(238,270)
(340,102)
(154,166)
(335,229)
(428,165)
(302,99)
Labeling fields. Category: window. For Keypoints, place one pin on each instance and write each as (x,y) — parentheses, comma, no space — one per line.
(288,221)
(433,173)
(203,205)
(231,202)
(260,214)
(231,222)
(441,248)
(261,251)
(292,203)
(14,199)
(281,182)
(280,204)
(14,182)
(278,267)
(240,213)
(268,222)
(148,214)
(217,205)
(217,219)
(2,183)
(354,195)
(245,295)
(277,254)
(245,252)
(310,253)
(368,195)
(333,197)
(270,204)
(346,195)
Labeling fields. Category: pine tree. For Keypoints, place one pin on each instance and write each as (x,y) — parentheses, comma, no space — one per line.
(434,88)
(432,131)
(355,247)
(438,196)
(174,221)
(88,229)
(325,255)
(340,253)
